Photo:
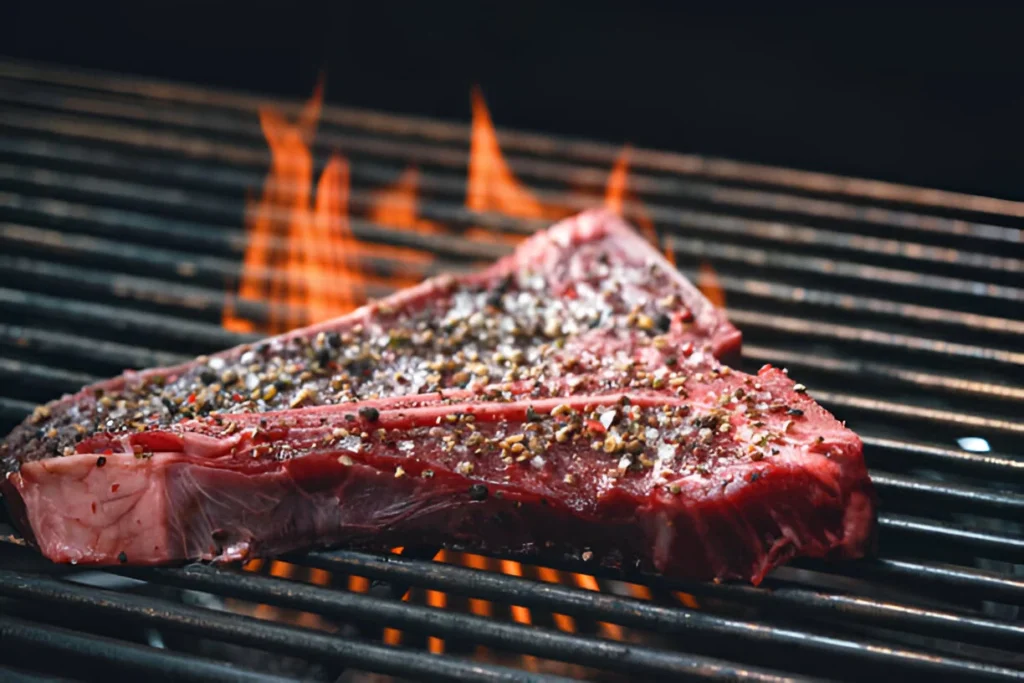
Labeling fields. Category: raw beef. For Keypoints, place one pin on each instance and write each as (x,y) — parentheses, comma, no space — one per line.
(569,399)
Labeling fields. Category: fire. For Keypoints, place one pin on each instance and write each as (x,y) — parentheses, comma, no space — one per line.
(588,582)
(491,185)
(562,621)
(335,284)
(396,206)
(439,600)
(707,282)
(304,264)
(617,193)
(301,259)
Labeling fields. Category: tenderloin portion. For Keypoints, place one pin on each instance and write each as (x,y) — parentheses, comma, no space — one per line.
(567,399)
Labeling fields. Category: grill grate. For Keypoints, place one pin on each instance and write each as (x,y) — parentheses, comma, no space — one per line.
(121,206)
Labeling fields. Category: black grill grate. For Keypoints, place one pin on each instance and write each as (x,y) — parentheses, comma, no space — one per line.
(121,206)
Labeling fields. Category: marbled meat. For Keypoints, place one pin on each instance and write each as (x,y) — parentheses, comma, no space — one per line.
(569,399)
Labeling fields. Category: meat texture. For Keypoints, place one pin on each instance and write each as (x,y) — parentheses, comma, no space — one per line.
(569,399)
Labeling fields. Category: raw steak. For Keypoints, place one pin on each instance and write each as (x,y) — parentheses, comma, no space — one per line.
(567,399)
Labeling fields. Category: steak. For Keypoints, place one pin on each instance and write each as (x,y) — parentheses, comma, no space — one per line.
(568,399)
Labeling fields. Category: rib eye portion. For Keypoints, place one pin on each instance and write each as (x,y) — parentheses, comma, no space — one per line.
(569,398)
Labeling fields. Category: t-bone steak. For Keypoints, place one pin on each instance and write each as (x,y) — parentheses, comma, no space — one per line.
(568,399)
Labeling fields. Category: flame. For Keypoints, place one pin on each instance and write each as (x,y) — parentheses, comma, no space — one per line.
(303,261)
(393,636)
(396,206)
(491,185)
(358,584)
(286,570)
(588,582)
(687,600)
(334,276)
(562,621)
(707,282)
(520,614)
(299,258)
(617,193)
(439,600)
(286,165)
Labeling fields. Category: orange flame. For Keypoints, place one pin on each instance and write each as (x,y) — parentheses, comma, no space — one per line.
(687,600)
(334,280)
(396,206)
(439,600)
(562,621)
(289,155)
(491,185)
(286,570)
(482,608)
(588,582)
(707,282)
(304,261)
(617,193)
(300,259)
(519,613)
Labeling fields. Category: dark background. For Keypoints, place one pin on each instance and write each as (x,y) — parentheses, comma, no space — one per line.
(917,93)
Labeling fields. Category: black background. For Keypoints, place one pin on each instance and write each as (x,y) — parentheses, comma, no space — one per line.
(918,93)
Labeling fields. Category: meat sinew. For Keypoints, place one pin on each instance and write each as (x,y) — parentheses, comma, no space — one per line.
(567,399)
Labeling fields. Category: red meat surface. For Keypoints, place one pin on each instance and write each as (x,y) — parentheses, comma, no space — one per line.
(568,399)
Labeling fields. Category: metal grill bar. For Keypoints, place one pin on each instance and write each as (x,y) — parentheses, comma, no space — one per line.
(246,631)
(543,145)
(254,632)
(644,615)
(989,467)
(882,372)
(210,118)
(773,642)
(978,499)
(182,333)
(120,215)
(155,230)
(692,221)
(23,676)
(872,337)
(625,658)
(21,639)
(995,546)
(943,579)
(97,352)
(13,411)
(947,578)
(916,413)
